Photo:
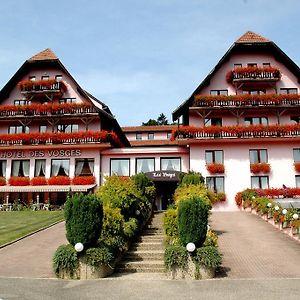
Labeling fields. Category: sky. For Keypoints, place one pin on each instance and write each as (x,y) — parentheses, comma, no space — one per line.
(140,57)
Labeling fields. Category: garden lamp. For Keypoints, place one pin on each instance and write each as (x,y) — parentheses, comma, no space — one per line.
(190,247)
(78,247)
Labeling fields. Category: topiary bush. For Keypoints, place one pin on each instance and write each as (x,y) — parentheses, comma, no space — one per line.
(83,215)
(65,261)
(98,256)
(192,221)
(190,178)
(175,255)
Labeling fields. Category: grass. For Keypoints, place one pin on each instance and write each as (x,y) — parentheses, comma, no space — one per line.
(15,224)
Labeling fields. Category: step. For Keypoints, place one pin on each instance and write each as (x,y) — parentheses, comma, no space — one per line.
(146,246)
(151,238)
(151,231)
(144,255)
(160,271)
(140,265)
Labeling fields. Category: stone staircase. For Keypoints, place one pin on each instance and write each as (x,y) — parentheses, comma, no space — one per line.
(147,253)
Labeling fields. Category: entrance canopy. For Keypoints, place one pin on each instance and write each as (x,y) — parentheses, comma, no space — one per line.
(167,175)
(46,188)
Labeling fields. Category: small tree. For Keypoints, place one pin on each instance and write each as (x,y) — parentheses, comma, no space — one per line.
(192,221)
(83,215)
(191,178)
(162,120)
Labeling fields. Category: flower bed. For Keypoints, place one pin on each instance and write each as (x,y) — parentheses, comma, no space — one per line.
(59,180)
(260,168)
(215,168)
(297,166)
(83,180)
(49,84)
(19,181)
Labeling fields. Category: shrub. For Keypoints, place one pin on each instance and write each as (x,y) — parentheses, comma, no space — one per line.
(65,259)
(211,239)
(142,182)
(192,221)
(208,256)
(83,215)
(113,222)
(171,224)
(190,178)
(130,227)
(98,256)
(175,255)
(262,204)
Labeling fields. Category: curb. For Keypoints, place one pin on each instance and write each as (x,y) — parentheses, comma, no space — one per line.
(29,234)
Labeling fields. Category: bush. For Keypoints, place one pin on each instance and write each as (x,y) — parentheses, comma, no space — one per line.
(171,224)
(65,259)
(186,192)
(175,255)
(130,227)
(142,182)
(98,256)
(192,221)
(208,256)
(83,215)
(190,178)
(211,239)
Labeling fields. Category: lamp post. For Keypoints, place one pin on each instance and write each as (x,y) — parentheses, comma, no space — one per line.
(78,247)
(190,247)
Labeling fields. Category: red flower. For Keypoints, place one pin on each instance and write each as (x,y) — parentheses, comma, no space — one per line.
(83,180)
(2,181)
(38,181)
(215,168)
(59,180)
(260,168)
(19,181)
(297,166)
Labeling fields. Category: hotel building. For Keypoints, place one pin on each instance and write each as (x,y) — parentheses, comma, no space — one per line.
(239,129)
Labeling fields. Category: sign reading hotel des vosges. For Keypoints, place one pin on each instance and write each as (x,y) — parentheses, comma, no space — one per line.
(40,153)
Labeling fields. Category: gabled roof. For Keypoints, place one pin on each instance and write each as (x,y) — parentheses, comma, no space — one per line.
(249,41)
(47,58)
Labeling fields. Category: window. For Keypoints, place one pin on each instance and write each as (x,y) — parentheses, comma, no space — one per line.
(119,166)
(67,127)
(266,65)
(252,65)
(169,135)
(40,167)
(67,100)
(58,77)
(144,165)
(288,91)
(150,136)
(18,129)
(20,168)
(296,154)
(258,156)
(45,77)
(60,167)
(138,136)
(213,122)
(3,164)
(254,92)
(21,102)
(214,156)
(259,182)
(256,121)
(297,178)
(170,164)
(215,183)
(237,66)
(84,167)
(32,78)
(219,92)
(43,128)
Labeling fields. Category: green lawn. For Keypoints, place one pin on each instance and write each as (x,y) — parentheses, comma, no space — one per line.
(15,224)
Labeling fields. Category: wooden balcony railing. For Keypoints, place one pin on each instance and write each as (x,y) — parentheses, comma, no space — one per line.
(253,74)
(236,132)
(82,137)
(42,86)
(46,109)
(247,101)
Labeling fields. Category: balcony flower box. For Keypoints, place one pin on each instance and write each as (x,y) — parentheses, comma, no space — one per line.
(83,180)
(19,181)
(41,85)
(215,168)
(39,180)
(2,181)
(59,180)
(260,168)
(297,166)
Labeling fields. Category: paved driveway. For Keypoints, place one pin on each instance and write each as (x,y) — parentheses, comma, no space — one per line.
(32,257)
(253,248)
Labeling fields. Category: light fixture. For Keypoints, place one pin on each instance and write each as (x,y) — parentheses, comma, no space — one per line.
(276,207)
(295,216)
(284,211)
(269,204)
(78,247)
(190,247)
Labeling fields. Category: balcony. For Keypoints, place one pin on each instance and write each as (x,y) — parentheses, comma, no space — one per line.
(236,132)
(50,86)
(81,137)
(253,74)
(234,101)
(52,109)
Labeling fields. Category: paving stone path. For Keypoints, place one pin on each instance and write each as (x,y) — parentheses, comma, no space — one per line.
(31,257)
(252,248)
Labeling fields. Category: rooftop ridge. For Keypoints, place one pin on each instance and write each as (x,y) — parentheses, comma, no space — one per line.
(46,54)
(252,37)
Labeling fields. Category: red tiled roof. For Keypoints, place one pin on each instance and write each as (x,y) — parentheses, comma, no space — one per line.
(252,37)
(46,54)
(148,143)
(149,128)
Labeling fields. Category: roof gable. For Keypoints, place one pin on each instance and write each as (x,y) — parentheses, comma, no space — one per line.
(46,54)
(252,37)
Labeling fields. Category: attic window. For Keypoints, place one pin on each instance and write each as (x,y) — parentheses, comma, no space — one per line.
(58,77)
(266,65)
(46,77)
(237,66)
(67,100)
(252,65)
(32,78)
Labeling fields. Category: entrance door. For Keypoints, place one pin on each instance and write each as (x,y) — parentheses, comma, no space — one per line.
(164,194)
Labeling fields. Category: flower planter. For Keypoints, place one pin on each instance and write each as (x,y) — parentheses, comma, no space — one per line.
(88,272)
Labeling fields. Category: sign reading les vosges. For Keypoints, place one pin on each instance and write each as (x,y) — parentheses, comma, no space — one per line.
(163,175)
(40,153)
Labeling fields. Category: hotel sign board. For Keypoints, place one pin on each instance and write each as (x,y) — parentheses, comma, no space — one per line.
(163,175)
(40,153)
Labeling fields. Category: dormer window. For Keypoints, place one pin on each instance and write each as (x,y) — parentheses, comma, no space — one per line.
(58,77)
(213,122)
(45,77)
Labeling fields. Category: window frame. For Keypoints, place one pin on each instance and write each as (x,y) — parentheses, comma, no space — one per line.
(114,159)
(294,150)
(3,161)
(45,77)
(214,156)
(138,136)
(151,136)
(21,166)
(138,158)
(297,181)
(84,160)
(35,161)
(260,182)
(259,156)
(60,159)
(213,120)
(288,91)
(171,157)
(67,125)
(251,119)
(214,183)
(219,92)
(25,129)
